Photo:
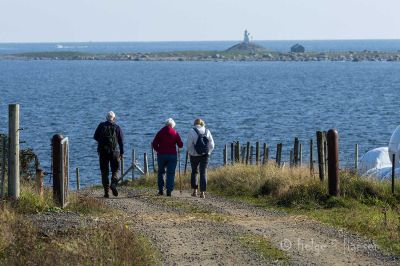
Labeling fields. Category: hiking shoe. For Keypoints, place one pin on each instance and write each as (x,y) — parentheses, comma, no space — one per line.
(202,195)
(168,193)
(106,195)
(160,193)
(114,190)
(194,194)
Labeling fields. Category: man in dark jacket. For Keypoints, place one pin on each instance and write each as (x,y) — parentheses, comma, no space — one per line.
(109,137)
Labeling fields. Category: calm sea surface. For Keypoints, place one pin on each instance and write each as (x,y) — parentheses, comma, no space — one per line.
(270,102)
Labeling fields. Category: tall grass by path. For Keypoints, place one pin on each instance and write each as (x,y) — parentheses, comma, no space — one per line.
(362,206)
(106,243)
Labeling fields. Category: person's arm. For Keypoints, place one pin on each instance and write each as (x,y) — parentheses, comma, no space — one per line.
(120,136)
(97,133)
(179,140)
(156,142)
(211,144)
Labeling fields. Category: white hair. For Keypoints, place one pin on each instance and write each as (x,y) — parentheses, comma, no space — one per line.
(110,116)
(170,122)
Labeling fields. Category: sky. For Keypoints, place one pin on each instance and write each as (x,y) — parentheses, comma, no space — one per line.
(196,20)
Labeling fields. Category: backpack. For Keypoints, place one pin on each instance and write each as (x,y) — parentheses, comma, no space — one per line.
(108,140)
(201,145)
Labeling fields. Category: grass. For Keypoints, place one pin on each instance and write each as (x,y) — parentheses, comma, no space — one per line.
(360,207)
(263,247)
(112,242)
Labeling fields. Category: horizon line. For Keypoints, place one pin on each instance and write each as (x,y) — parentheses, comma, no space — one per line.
(172,41)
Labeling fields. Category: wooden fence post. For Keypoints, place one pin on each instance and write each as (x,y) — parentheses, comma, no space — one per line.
(279,154)
(291,161)
(333,163)
(295,152)
(257,152)
(13,151)
(265,153)
(311,158)
(325,142)
(232,153)
(247,152)
(243,154)
(251,154)
(237,154)
(321,156)
(78,180)
(39,182)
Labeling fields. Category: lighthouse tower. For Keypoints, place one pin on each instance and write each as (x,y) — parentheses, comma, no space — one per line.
(246,38)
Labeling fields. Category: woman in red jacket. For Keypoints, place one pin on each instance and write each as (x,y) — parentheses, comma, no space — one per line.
(164,144)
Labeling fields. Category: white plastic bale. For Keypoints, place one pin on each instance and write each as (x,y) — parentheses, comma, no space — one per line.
(374,159)
(394,145)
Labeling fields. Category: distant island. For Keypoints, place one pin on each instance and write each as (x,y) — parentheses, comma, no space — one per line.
(244,51)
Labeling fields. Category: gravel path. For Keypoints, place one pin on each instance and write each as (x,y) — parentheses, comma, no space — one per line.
(189,230)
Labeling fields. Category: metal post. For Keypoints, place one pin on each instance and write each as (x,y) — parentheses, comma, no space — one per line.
(133,163)
(393,171)
(56,166)
(333,163)
(300,155)
(78,179)
(13,151)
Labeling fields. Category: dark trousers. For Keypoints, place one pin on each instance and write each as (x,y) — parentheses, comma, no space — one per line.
(108,160)
(199,162)
(166,161)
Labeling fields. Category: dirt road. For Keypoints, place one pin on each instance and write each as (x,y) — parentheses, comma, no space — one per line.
(217,231)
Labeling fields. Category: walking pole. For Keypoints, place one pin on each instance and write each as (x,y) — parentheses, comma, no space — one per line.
(179,170)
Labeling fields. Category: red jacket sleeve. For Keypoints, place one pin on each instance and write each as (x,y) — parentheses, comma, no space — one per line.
(179,140)
(156,142)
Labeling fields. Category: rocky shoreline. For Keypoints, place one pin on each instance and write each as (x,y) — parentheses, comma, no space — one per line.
(213,56)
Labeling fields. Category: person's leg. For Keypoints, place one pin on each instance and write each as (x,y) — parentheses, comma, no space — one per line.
(194,162)
(162,162)
(203,173)
(114,163)
(103,159)
(171,166)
